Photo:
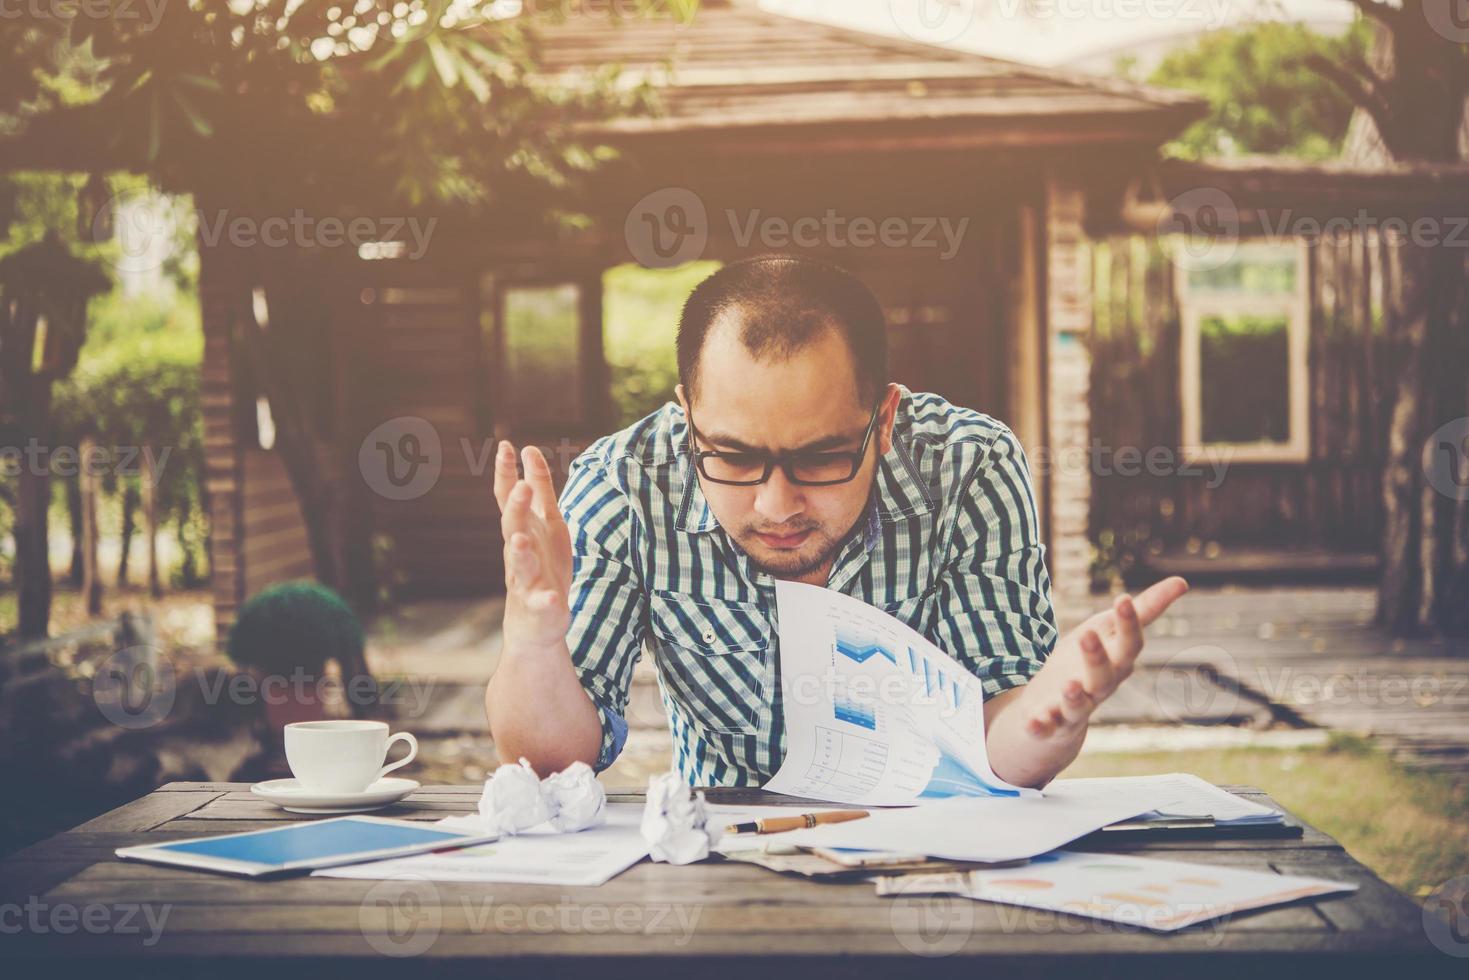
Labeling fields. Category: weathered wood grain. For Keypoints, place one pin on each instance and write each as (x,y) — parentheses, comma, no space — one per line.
(715,917)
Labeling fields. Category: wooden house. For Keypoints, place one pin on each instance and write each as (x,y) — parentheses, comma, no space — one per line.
(1250,353)
(774,134)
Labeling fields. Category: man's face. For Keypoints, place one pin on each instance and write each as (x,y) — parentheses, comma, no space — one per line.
(807,401)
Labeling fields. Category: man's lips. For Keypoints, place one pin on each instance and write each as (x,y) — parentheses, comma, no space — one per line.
(784,541)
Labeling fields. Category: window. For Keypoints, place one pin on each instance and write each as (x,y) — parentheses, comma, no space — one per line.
(1245,330)
(542,371)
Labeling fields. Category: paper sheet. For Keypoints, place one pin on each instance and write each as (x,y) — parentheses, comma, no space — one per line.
(1154,894)
(539,856)
(987,828)
(874,713)
(1180,794)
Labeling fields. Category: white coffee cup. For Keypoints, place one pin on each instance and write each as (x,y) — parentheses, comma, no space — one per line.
(342,756)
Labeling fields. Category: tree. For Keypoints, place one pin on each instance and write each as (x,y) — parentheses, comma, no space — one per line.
(1264,96)
(265,109)
(1411,95)
(44,292)
(136,386)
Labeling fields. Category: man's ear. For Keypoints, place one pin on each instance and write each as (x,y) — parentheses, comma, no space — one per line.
(887,416)
(683,402)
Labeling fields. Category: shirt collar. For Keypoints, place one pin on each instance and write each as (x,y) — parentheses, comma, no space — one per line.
(900,492)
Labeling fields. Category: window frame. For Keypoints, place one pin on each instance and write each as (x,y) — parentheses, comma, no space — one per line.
(1196,304)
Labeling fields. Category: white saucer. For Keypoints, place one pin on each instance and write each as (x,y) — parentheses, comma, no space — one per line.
(288,794)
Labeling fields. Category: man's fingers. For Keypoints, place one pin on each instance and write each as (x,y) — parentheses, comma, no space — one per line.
(515,516)
(1156,599)
(1127,643)
(1076,705)
(522,565)
(538,475)
(505,473)
(1097,673)
(1041,725)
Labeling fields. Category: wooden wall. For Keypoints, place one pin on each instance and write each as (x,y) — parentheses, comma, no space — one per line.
(273,546)
(412,348)
(1332,501)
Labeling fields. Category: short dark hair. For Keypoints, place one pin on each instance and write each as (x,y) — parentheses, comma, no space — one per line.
(784,303)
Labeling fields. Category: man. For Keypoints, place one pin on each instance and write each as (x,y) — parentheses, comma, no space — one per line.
(787,456)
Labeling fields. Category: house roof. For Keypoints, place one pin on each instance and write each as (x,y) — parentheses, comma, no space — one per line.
(735,66)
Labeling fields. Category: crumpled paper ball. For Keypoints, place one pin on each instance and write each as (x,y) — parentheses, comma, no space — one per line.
(574,797)
(675,824)
(512,800)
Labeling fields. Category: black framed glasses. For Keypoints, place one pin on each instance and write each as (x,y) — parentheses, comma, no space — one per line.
(808,469)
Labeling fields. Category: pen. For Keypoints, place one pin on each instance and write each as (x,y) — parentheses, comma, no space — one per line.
(775,825)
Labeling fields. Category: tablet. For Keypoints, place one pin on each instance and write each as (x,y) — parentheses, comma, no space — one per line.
(303,846)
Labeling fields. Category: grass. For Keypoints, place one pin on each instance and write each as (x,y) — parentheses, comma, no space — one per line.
(1407,826)
(182,618)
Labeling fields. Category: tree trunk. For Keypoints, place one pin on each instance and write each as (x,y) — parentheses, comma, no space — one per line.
(334,520)
(32,540)
(91,573)
(74,511)
(150,531)
(129,525)
(1413,111)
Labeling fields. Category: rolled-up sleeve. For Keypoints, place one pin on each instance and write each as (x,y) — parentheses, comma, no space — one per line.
(994,594)
(607,614)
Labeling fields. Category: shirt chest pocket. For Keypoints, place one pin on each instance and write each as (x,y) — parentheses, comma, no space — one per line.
(711,656)
(917,612)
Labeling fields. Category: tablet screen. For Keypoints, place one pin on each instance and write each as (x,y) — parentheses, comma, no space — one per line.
(313,841)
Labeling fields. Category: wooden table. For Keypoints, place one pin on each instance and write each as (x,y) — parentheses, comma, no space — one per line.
(86,913)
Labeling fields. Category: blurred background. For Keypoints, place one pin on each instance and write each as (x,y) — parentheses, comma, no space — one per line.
(275,275)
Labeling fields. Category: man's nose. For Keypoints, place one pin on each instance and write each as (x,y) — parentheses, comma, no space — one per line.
(778,499)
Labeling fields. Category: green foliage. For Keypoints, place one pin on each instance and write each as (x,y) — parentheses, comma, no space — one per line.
(1263,95)
(640,309)
(136,384)
(295,624)
(334,107)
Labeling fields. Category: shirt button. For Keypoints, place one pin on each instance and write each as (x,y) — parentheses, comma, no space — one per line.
(708,636)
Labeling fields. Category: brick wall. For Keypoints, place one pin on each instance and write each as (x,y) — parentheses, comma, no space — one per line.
(1068,365)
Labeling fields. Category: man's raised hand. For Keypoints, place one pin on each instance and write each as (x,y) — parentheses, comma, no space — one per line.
(537,551)
(1091,661)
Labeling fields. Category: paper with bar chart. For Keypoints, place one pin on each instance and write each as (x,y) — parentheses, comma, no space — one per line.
(874,712)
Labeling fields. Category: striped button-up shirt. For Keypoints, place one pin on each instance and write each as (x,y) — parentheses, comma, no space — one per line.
(949,545)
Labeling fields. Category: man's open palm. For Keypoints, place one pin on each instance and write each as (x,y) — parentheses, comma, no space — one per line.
(1090,662)
(537,550)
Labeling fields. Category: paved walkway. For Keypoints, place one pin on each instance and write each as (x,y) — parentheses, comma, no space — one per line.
(1269,660)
